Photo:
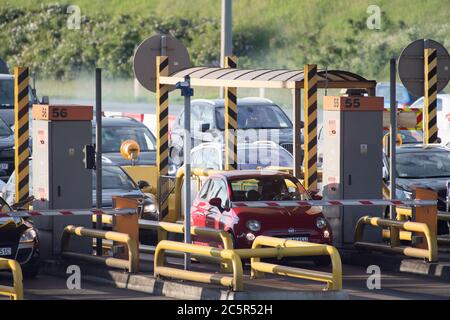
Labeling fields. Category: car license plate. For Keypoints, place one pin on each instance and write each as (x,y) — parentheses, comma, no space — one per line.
(305,239)
(3,166)
(5,251)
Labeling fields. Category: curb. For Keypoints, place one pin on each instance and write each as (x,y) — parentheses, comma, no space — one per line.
(180,290)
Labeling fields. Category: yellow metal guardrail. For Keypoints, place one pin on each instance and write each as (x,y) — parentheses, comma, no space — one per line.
(431,253)
(131,264)
(273,248)
(299,249)
(16,291)
(220,235)
(235,281)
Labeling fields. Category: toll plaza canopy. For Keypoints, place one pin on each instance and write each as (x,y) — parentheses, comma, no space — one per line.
(266,78)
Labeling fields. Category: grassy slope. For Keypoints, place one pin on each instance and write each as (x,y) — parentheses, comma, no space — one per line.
(290,18)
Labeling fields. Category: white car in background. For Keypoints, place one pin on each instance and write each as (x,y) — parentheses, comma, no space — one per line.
(443,116)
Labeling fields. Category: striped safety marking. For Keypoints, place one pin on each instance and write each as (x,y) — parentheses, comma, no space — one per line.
(310,129)
(307,203)
(419,118)
(230,119)
(430,132)
(162,131)
(21,133)
(49,213)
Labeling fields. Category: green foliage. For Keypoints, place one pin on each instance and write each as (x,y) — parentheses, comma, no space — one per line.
(269,34)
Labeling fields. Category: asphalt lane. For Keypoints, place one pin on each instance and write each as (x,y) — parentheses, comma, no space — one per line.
(45,287)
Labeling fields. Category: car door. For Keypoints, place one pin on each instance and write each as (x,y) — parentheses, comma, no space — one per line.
(200,206)
(215,214)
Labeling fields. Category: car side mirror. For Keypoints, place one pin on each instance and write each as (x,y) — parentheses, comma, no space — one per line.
(216,202)
(315,195)
(142,184)
(45,100)
(204,127)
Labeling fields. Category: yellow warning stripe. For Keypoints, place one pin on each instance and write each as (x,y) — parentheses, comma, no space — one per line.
(231,111)
(310,128)
(21,132)
(162,130)
(430,106)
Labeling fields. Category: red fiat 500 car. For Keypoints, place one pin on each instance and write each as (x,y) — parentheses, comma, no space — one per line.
(213,208)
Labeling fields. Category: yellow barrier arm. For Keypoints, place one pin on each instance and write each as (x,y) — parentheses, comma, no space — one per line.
(236,281)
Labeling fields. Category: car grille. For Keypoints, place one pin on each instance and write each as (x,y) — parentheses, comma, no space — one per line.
(288,146)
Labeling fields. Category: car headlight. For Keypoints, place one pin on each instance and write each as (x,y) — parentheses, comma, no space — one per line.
(28,236)
(321,223)
(150,208)
(253,225)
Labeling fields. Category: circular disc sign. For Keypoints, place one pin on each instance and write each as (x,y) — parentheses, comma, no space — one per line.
(411,66)
(144,62)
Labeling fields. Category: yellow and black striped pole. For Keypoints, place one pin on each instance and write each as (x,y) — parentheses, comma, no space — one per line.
(310,127)
(21,133)
(230,119)
(430,90)
(162,131)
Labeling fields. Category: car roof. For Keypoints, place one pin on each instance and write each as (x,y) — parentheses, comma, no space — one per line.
(241,102)
(422,148)
(120,121)
(248,174)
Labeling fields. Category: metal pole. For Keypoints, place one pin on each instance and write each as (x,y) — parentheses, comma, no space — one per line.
(297,110)
(98,143)
(226,34)
(395,239)
(187,173)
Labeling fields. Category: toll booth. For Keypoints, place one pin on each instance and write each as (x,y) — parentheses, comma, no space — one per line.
(59,177)
(352,161)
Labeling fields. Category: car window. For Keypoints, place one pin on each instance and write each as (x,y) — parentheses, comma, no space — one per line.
(264,116)
(113,136)
(6,92)
(113,177)
(218,189)
(267,188)
(203,194)
(5,131)
(430,164)
(419,104)
(262,156)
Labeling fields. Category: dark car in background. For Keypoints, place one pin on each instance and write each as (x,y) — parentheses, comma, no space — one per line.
(7,98)
(6,151)
(257,119)
(115,182)
(116,130)
(403,97)
(424,166)
(19,241)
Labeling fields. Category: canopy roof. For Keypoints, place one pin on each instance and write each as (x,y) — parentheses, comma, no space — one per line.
(266,78)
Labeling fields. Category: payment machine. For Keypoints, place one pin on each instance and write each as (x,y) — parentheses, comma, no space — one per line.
(352,161)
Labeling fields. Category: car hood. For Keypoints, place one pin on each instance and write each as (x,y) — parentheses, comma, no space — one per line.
(437,184)
(145,158)
(7,142)
(281,218)
(108,194)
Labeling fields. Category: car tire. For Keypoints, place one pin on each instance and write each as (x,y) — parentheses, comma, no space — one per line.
(322,261)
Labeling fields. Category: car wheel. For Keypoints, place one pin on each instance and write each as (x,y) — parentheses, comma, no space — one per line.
(322,261)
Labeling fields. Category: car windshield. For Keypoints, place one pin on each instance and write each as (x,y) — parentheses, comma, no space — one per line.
(259,157)
(401,93)
(113,177)
(5,131)
(429,164)
(6,92)
(267,188)
(112,137)
(256,117)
